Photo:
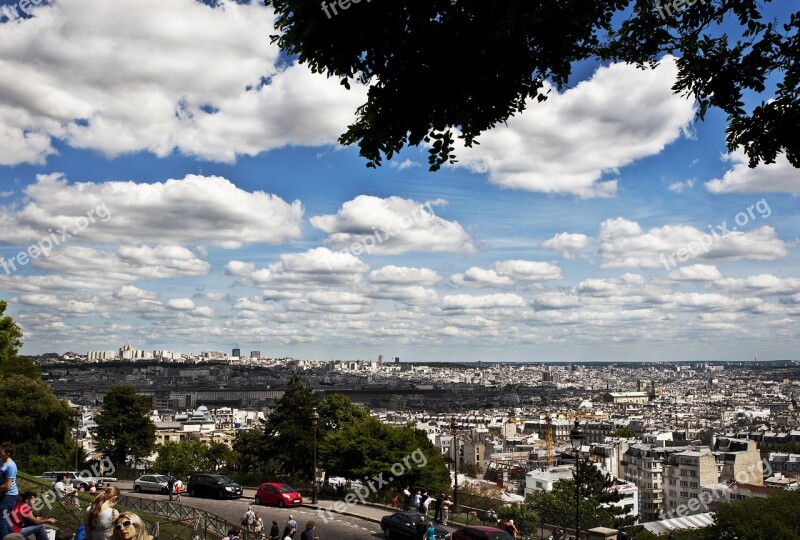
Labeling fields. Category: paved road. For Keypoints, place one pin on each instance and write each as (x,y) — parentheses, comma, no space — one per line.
(339,527)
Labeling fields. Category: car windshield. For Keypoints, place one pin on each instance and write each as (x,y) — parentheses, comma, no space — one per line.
(285,489)
(161,478)
(223,478)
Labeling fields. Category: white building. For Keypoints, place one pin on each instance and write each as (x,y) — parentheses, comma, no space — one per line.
(543,480)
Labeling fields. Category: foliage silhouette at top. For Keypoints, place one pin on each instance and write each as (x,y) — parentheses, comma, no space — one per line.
(440,67)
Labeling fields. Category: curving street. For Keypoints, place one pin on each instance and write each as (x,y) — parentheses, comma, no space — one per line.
(339,527)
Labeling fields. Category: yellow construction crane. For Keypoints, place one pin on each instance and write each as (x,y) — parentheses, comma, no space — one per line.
(548,440)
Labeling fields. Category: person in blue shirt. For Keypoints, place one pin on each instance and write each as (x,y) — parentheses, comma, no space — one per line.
(8,487)
(431,532)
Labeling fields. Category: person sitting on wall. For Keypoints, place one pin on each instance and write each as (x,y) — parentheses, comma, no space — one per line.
(24,522)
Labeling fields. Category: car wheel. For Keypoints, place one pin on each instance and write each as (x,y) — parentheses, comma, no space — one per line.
(85,487)
(220,495)
(281,504)
(164,491)
(137,488)
(386,532)
(256,500)
(191,492)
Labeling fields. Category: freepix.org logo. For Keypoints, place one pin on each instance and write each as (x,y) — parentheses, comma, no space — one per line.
(19,10)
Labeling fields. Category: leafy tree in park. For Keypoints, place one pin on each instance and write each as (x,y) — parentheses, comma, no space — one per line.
(123,427)
(37,423)
(10,343)
(288,435)
(446,68)
(777,516)
(558,506)
(369,448)
(34,420)
(525,517)
(184,457)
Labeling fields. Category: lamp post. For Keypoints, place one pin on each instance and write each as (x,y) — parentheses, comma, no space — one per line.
(454,427)
(77,436)
(314,424)
(576,437)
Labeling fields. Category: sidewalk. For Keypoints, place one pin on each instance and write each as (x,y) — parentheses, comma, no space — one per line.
(367,512)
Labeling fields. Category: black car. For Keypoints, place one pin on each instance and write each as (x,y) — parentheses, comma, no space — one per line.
(217,486)
(404,525)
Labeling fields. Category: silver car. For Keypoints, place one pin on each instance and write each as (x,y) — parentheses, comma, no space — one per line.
(156,483)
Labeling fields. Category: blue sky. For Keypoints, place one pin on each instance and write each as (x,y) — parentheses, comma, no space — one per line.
(247,227)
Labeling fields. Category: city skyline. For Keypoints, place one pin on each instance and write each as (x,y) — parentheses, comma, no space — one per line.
(173,193)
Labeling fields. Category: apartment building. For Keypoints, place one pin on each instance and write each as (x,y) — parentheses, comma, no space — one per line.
(685,474)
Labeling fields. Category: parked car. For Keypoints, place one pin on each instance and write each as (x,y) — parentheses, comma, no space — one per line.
(480,532)
(78,480)
(157,483)
(278,493)
(404,525)
(217,486)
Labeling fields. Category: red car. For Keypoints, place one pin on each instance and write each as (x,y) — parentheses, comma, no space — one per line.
(479,532)
(277,493)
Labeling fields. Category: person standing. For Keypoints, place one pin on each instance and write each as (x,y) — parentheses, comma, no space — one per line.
(100,515)
(170,485)
(406,498)
(437,508)
(308,534)
(431,532)
(275,531)
(292,524)
(24,522)
(258,526)
(249,519)
(178,489)
(446,509)
(8,486)
(421,528)
(417,501)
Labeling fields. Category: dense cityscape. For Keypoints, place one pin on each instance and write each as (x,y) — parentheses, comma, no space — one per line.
(399,270)
(677,438)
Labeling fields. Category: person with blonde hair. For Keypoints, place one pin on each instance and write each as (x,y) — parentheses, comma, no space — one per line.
(101,514)
(129,526)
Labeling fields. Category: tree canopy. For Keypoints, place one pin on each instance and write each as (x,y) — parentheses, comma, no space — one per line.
(777,516)
(184,457)
(124,429)
(350,443)
(442,69)
(597,500)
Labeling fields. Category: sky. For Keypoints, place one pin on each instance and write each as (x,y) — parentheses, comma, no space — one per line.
(170,181)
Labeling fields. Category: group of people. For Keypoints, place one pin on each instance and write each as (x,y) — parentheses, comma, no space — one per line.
(252,522)
(176,485)
(422,503)
(101,520)
(426,529)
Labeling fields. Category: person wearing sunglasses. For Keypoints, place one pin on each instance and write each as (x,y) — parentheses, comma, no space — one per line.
(129,526)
